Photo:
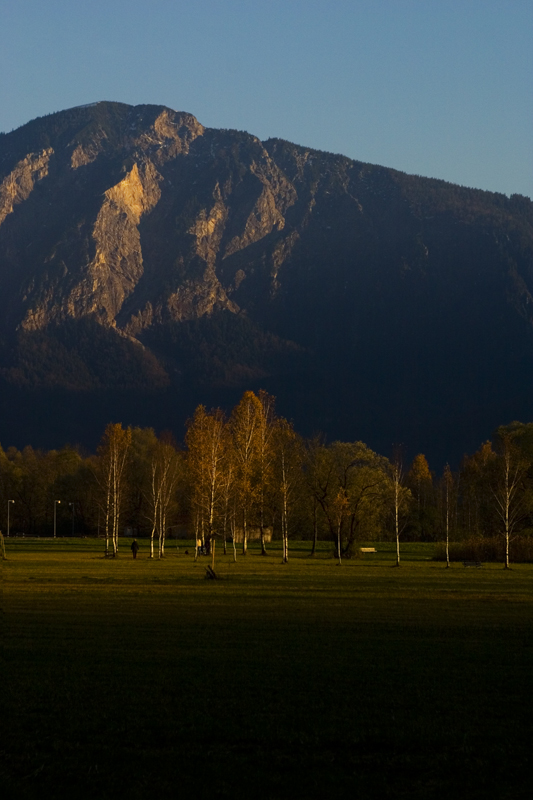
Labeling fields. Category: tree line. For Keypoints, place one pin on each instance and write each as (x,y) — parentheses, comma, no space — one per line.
(250,473)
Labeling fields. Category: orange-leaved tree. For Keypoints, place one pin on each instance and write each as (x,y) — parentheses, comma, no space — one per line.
(207,442)
(245,425)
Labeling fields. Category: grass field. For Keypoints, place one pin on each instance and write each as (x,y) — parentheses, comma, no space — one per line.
(141,679)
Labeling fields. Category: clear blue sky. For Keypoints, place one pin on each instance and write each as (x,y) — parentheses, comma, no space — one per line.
(442,88)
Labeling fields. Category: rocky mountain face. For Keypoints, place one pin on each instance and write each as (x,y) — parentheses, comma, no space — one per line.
(148,263)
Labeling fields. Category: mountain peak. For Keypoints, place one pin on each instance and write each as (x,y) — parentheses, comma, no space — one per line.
(376,303)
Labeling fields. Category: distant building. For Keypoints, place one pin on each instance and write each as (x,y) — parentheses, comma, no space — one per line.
(253,534)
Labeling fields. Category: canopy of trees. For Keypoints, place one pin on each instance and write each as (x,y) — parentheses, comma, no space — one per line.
(252,471)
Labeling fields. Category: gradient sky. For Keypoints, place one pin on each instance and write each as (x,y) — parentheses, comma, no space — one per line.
(442,88)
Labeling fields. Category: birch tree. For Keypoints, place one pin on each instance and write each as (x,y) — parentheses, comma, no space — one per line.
(447,489)
(113,456)
(206,439)
(287,474)
(508,489)
(401,497)
(228,497)
(245,425)
(164,475)
(265,458)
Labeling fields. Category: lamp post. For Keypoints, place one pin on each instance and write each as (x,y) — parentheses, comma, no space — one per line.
(72,507)
(55,516)
(8,509)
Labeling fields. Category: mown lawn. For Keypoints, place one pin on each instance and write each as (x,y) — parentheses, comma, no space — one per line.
(142,679)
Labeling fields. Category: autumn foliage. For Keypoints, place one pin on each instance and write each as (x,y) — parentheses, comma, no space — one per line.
(249,474)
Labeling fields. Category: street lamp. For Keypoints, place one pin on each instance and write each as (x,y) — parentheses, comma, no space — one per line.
(55,516)
(72,507)
(8,508)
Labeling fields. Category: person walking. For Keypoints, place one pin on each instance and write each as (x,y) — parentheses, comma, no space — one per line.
(134,548)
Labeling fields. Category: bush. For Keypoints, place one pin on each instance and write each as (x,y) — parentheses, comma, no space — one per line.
(487,549)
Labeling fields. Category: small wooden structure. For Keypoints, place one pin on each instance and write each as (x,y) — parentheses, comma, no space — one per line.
(253,534)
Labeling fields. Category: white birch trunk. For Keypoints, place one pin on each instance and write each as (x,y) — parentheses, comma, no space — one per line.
(447,526)
(397,512)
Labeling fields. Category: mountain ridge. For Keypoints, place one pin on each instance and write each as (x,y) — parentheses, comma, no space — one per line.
(204,260)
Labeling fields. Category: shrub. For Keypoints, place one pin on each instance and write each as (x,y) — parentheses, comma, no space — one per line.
(487,549)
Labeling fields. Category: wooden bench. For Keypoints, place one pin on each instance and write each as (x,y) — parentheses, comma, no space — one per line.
(367,549)
(472,564)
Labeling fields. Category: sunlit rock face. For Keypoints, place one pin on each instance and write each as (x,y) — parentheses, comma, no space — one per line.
(375,304)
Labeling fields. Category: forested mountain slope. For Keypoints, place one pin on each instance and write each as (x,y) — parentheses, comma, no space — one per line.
(148,263)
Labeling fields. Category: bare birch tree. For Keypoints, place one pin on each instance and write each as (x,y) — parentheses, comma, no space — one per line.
(164,476)
(401,501)
(245,424)
(508,485)
(447,486)
(288,478)
(265,458)
(228,499)
(113,456)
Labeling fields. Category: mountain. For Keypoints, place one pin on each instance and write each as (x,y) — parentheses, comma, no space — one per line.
(148,263)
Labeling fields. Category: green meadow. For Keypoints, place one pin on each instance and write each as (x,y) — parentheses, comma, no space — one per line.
(140,679)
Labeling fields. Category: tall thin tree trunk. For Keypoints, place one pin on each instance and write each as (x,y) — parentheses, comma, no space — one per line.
(397,520)
(507,529)
(447,528)
(162,531)
(285,530)
(262,535)
(507,507)
(315,527)
(224,533)
(262,527)
(115,538)
(107,534)
(507,551)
